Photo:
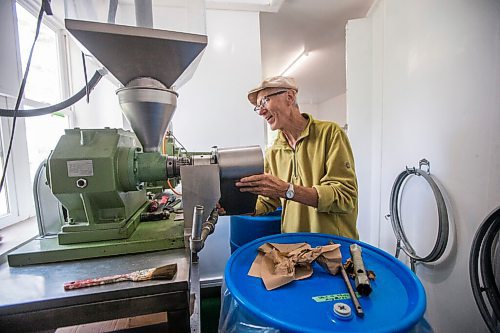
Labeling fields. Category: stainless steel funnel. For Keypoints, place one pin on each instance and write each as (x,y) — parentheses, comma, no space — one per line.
(148,62)
(132,52)
(149,107)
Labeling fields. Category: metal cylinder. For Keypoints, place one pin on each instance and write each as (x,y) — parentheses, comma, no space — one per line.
(195,242)
(174,164)
(151,167)
(148,106)
(205,159)
(362,282)
(197,222)
(209,225)
(234,164)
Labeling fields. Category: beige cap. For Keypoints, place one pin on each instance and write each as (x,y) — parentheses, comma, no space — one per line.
(272,82)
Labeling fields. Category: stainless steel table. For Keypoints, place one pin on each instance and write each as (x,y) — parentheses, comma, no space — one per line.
(32,298)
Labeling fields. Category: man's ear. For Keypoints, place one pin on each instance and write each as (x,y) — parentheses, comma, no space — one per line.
(290,97)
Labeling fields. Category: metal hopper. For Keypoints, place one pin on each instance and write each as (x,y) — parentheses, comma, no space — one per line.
(149,63)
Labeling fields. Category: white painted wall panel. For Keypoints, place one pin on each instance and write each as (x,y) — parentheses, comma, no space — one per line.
(436,80)
(358,87)
(212,107)
(311,109)
(334,109)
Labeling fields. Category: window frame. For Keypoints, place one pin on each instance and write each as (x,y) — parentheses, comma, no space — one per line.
(19,190)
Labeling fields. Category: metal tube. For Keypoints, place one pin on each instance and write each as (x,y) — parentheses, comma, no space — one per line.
(151,166)
(209,225)
(362,282)
(354,298)
(197,222)
(234,164)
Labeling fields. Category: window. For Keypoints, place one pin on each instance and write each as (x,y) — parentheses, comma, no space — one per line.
(35,136)
(42,88)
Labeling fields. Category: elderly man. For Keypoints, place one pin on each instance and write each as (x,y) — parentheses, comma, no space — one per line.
(309,169)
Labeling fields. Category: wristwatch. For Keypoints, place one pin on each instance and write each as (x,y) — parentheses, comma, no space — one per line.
(290,192)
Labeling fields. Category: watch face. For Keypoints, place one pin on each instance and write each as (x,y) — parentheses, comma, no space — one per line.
(289,194)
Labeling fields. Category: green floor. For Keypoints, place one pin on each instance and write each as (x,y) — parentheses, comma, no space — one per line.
(210,309)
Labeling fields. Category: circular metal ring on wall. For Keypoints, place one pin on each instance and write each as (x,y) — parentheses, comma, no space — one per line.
(443,227)
(481,260)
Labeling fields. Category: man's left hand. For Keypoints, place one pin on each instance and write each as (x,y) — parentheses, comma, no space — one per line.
(264,184)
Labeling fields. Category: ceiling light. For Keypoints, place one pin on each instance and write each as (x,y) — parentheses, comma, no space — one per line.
(295,64)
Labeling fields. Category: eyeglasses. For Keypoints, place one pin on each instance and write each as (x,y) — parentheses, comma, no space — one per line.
(265,100)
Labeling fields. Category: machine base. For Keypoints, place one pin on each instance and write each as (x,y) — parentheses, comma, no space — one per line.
(149,236)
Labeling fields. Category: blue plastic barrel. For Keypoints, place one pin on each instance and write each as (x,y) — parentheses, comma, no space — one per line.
(245,228)
(396,304)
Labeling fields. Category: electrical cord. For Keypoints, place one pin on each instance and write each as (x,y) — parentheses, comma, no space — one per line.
(60,106)
(397,226)
(480,260)
(45,7)
(87,92)
(172,134)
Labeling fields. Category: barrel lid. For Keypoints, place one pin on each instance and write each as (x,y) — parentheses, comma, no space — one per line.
(396,303)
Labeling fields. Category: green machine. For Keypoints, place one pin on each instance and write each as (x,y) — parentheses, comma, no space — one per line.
(100,177)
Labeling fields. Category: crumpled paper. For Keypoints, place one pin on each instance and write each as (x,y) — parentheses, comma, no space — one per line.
(279,264)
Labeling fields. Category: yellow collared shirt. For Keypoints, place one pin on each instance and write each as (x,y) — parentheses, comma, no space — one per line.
(322,159)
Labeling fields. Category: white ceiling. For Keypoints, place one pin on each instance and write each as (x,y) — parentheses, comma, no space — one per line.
(318,26)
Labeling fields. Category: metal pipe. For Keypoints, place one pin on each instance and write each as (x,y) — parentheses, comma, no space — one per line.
(151,166)
(197,222)
(354,298)
(209,225)
(362,282)
(200,231)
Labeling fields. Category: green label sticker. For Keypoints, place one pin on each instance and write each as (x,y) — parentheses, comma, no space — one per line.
(334,297)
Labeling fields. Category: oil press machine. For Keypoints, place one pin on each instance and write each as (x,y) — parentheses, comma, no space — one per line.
(100,177)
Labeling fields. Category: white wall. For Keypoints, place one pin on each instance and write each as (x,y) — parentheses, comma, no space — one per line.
(309,108)
(360,116)
(212,108)
(333,109)
(434,92)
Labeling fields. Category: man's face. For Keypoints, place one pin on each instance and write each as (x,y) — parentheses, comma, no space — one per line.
(272,106)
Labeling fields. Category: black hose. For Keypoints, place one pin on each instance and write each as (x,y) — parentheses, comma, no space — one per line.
(56,107)
(443,227)
(480,259)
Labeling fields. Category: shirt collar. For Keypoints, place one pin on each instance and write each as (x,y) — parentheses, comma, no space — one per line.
(305,132)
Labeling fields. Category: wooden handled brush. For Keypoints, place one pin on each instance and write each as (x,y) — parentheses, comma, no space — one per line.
(166,272)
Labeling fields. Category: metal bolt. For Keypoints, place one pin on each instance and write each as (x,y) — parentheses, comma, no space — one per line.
(81,183)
